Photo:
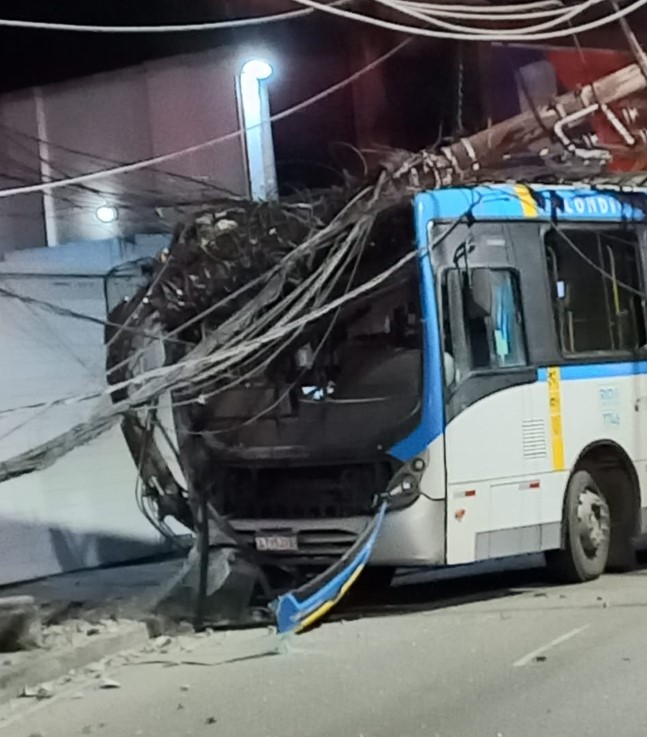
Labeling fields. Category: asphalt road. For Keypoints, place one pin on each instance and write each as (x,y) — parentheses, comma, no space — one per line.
(500,655)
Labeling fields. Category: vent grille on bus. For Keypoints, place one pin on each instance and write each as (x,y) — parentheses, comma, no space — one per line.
(534,439)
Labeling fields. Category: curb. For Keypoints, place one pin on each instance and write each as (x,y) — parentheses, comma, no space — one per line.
(40,667)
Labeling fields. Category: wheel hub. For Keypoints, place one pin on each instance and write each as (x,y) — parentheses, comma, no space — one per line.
(593,521)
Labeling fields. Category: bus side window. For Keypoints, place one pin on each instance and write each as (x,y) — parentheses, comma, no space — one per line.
(595,280)
(497,340)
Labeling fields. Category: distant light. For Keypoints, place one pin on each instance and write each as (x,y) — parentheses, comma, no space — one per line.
(259,69)
(107,214)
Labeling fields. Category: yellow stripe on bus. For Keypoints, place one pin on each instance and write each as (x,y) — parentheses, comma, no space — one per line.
(325,608)
(555,404)
(528,204)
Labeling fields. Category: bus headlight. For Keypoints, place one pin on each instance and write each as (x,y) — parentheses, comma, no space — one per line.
(404,487)
(408,484)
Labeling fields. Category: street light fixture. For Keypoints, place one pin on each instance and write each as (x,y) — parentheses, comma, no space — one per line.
(259,146)
(107,214)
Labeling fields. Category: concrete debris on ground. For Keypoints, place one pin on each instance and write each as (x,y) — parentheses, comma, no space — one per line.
(67,655)
(19,623)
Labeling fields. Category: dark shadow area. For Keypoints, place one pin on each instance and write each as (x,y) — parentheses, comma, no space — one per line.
(407,598)
(430,596)
(32,551)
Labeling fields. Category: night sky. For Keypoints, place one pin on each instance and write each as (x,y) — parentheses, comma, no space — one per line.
(39,57)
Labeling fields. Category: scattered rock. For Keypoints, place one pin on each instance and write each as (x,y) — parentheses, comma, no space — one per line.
(180,707)
(162,641)
(96,667)
(211,720)
(185,628)
(540,659)
(93,631)
(44,691)
(185,687)
(108,683)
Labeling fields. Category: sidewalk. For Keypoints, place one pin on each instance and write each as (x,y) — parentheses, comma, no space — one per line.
(84,616)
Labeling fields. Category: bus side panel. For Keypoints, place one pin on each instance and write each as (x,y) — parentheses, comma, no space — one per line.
(603,402)
(497,463)
(509,456)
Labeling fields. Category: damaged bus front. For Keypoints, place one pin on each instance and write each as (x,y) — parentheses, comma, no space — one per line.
(301,454)
(486,382)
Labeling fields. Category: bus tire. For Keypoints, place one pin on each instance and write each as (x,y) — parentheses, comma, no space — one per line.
(586,532)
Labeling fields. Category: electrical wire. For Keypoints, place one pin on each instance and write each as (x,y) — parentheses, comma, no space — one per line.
(169,28)
(201,356)
(286,392)
(482,35)
(155,160)
(524,7)
(13,133)
(210,361)
(487,13)
(66,312)
(564,17)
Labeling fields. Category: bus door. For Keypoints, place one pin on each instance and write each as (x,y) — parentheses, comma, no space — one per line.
(492,509)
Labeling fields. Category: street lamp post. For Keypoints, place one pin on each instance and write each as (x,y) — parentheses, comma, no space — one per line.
(259,146)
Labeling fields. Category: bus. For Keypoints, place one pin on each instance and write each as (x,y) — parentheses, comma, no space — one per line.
(495,393)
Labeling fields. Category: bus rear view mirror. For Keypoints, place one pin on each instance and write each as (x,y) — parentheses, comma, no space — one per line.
(480,293)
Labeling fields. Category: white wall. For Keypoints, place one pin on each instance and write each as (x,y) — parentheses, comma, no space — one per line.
(80,512)
(126,115)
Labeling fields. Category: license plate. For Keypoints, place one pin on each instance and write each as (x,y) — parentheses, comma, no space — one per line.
(277,543)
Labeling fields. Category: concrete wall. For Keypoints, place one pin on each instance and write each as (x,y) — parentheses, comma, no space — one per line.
(81,511)
(122,116)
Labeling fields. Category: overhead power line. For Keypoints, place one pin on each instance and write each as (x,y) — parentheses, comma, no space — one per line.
(523,11)
(163,158)
(418,12)
(473,34)
(173,28)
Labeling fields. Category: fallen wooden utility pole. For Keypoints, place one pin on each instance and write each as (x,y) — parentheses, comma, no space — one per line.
(487,147)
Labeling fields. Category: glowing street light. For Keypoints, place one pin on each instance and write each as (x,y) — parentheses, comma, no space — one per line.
(259,146)
(258,68)
(107,214)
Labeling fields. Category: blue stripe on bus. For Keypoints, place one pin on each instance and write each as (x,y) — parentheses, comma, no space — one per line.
(503,202)
(572,372)
(432,420)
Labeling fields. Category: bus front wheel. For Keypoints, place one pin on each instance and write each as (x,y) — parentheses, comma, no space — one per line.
(587,532)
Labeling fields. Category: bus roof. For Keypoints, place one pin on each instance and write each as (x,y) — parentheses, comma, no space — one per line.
(536,202)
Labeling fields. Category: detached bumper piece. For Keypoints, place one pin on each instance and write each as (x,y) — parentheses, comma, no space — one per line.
(301,608)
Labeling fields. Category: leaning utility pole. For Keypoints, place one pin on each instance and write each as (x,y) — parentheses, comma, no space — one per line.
(487,148)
